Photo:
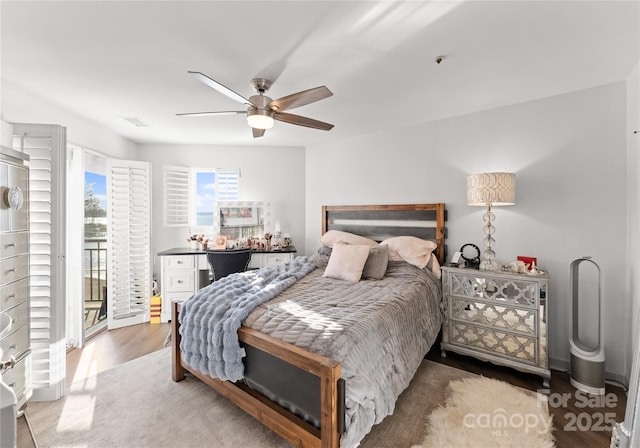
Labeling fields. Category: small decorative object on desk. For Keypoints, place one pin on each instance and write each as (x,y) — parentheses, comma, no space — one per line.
(277,237)
(198,241)
(220,243)
(287,241)
(267,236)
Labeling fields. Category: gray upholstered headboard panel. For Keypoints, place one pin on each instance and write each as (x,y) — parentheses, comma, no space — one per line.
(378,222)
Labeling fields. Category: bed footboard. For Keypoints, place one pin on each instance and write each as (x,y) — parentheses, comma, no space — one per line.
(278,419)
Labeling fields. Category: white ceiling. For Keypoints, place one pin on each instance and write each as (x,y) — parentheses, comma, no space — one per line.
(106,60)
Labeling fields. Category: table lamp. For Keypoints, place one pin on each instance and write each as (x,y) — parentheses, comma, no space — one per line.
(488,190)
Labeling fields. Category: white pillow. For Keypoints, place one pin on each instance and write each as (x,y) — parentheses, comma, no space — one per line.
(435,266)
(347,262)
(338,236)
(413,250)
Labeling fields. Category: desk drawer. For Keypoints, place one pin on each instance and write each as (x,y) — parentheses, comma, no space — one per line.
(14,293)
(180,281)
(12,269)
(275,259)
(179,262)
(14,243)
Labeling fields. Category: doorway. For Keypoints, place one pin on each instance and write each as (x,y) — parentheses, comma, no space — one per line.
(95,252)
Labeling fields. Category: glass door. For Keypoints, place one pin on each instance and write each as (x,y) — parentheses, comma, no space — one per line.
(95,252)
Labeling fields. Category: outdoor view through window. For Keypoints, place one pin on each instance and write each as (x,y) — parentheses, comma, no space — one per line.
(95,249)
(205,197)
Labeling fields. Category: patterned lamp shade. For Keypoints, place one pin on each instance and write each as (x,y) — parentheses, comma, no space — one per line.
(491,188)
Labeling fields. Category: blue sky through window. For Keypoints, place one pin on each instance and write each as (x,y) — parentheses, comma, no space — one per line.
(205,197)
(98,182)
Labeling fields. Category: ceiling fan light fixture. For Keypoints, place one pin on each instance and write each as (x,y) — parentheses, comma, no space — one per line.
(260,119)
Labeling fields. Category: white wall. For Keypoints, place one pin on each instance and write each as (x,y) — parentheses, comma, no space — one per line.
(633,207)
(21,107)
(274,174)
(568,153)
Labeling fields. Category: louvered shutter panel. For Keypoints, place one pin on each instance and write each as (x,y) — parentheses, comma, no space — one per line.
(46,146)
(176,185)
(129,225)
(227,185)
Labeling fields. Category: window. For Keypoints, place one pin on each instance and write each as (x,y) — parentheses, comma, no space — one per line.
(205,197)
(191,194)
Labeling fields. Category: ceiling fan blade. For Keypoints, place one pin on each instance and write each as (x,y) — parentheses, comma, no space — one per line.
(258,132)
(302,121)
(204,114)
(300,99)
(220,88)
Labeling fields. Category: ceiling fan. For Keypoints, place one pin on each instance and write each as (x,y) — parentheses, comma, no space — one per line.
(262,111)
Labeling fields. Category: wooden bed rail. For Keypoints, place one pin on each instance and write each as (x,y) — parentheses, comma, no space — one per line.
(278,419)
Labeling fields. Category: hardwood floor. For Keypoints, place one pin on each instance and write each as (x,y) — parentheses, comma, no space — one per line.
(578,421)
(110,348)
(103,351)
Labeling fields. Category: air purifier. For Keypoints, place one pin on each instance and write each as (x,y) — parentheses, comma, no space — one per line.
(586,342)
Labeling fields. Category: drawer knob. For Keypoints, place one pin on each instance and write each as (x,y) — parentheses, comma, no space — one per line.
(11,245)
(13,347)
(8,364)
(11,296)
(179,262)
(12,385)
(179,281)
(12,270)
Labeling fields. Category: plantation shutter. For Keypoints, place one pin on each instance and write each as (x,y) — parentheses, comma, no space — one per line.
(46,146)
(129,228)
(227,185)
(176,185)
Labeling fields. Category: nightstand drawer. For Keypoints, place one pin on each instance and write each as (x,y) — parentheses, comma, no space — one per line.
(494,342)
(519,320)
(509,290)
(179,262)
(180,281)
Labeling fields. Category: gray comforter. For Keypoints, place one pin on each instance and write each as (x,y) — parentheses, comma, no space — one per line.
(379,330)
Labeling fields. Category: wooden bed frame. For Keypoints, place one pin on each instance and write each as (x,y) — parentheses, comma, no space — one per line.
(374,221)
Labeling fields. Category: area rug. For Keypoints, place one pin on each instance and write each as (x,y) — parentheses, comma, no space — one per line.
(137,405)
(472,417)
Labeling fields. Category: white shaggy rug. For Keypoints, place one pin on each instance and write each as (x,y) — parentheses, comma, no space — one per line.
(482,412)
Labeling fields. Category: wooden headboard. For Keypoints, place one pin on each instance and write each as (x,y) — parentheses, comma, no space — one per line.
(380,222)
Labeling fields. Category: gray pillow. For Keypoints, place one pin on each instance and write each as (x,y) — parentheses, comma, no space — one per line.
(377,262)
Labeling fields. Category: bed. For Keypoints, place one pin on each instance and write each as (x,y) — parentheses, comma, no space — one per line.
(327,409)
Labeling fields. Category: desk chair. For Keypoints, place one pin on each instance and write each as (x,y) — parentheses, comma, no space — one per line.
(225,262)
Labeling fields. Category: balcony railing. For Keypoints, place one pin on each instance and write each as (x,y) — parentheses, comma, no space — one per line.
(95,281)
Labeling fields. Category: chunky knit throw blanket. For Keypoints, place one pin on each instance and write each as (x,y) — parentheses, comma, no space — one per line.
(210,319)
